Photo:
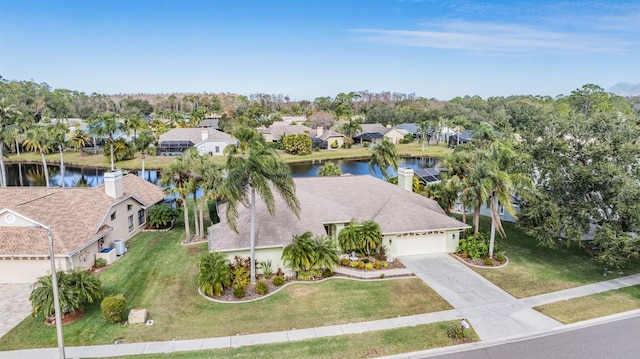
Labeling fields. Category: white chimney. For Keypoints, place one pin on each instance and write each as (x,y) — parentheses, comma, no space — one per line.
(320,131)
(113,184)
(405,178)
(205,134)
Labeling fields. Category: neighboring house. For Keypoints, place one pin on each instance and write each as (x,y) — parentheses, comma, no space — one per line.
(293,119)
(329,137)
(83,222)
(213,123)
(205,140)
(459,138)
(374,133)
(411,224)
(275,132)
(409,128)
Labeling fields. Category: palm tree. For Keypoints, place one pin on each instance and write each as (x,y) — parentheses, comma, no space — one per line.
(107,125)
(458,165)
(326,253)
(245,136)
(176,177)
(351,127)
(76,289)
(212,187)
(350,238)
(261,169)
(423,128)
(141,144)
(214,274)
(383,155)
(329,169)
(477,189)
(37,140)
(79,139)
(371,235)
(300,254)
(135,122)
(8,113)
(59,140)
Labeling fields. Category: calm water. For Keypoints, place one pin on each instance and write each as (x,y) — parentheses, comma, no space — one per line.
(33,174)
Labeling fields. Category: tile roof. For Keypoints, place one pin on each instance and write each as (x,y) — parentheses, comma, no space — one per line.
(75,215)
(334,200)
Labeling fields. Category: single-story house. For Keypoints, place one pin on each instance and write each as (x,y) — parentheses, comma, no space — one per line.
(206,140)
(274,132)
(409,128)
(410,223)
(374,133)
(84,222)
(459,138)
(210,123)
(329,137)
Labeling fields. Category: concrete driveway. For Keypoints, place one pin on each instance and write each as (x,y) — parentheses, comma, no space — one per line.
(493,312)
(14,305)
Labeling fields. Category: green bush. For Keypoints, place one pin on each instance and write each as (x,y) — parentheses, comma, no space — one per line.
(500,257)
(241,277)
(267,270)
(365,144)
(345,262)
(386,264)
(101,262)
(278,281)
(161,216)
(113,308)
(456,332)
(476,246)
(334,144)
(365,260)
(378,265)
(262,287)
(239,291)
(368,266)
(404,141)
(381,275)
(355,264)
(310,274)
(488,261)
(361,265)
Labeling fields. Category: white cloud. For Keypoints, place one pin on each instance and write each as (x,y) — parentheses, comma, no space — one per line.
(485,38)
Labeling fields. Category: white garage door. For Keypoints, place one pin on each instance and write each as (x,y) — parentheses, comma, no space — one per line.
(23,271)
(435,243)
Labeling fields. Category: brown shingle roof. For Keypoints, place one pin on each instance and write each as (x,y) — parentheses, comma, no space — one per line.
(331,200)
(75,215)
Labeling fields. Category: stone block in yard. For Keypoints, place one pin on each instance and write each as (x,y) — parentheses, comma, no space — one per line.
(138,316)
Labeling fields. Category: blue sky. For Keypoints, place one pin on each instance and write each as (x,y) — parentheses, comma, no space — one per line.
(309,48)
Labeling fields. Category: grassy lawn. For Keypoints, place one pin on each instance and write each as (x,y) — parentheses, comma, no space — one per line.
(75,158)
(534,270)
(372,344)
(159,274)
(593,306)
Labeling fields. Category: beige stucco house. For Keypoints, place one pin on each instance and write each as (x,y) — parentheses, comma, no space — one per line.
(374,133)
(411,224)
(83,222)
(205,140)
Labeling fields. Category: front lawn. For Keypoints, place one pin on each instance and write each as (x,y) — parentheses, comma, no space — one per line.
(367,345)
(160,274)
(535,270)
(593,306)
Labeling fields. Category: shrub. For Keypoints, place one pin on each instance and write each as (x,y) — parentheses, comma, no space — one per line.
(386,264)
(365,260)
(101,262)
(161,216)
(267,270)
(334,144)
(500,257)
(355,264)
(77,288)
(310,274)
(361,265)
(368,266)
(456,332)
(214,274)
(239,291)
(404,141)
(365,144)
(278,281)
(326,273)
(113,308)
(474,246)
(262,287)
(241,277)
(488,261)
(381,253)
(378,265)
(345,262)
(381,275)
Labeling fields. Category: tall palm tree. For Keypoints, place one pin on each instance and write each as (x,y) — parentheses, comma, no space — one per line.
(59,139)
(383,155)
(477,188)
(142,142)
(259,171)
(213,177)
(38,140)
(350,127)
(458,166)
(79,139)
(135,122)
(245,136)
(423,128)
(176,177)
(107,125)
(8,114)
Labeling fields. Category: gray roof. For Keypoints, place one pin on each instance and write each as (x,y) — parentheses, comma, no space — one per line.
(210,122)
(195,135)
(334,200)
(373,128)
(279,130)
(411,128)
(329,133)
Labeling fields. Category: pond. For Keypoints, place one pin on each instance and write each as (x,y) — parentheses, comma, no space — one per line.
(32,174)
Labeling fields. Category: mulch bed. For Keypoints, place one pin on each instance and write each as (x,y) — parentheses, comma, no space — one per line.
(68,318)
(479,262)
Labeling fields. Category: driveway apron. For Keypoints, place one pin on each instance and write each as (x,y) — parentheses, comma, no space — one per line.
(14,305)
(493,312)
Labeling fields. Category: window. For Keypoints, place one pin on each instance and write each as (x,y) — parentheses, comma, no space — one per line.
(113,216)
(129,207)
(217,149)
(130,219)
(501,210)
(141,218)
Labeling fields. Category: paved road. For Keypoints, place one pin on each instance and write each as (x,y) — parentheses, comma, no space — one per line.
(493,312)
(613,340)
